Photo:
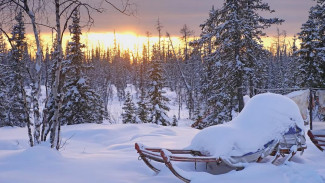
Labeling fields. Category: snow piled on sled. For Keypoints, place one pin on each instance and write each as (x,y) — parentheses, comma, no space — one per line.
(265,117)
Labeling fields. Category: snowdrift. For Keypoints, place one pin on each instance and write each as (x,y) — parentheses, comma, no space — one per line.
(265,117)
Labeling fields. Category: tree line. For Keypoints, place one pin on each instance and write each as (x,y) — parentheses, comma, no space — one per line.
(209,74)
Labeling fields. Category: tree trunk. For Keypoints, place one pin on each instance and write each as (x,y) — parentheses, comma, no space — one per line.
(240,96)
(55,88)
(36,87)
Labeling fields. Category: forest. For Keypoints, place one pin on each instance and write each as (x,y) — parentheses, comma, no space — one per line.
(210,74)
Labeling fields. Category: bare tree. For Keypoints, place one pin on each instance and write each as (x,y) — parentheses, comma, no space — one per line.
(186,33)
(159,29)
(148,34)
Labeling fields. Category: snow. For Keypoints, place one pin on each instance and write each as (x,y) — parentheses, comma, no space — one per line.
(103,153)
(81,81)
(265,117)
(95,153)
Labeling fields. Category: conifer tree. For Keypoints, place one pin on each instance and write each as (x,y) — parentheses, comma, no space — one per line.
(157,101)
(4,103)
(312,48)
(129,115)
(18,112)
(293,76)
(142,110)
(232,63)
(80,103)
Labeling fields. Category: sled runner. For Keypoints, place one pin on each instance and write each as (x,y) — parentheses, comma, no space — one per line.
(318,138)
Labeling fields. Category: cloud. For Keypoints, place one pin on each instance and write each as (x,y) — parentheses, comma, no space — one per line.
(173,14)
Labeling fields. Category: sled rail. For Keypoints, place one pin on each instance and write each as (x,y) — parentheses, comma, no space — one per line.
(318,138)
(155,154)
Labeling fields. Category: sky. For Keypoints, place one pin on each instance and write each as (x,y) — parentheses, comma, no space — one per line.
(173,14)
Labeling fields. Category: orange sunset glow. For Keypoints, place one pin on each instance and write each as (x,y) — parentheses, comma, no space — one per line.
(131,41)
(126,40)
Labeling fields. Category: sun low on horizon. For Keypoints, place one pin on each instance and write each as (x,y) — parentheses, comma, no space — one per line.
(131,42)
(126,41)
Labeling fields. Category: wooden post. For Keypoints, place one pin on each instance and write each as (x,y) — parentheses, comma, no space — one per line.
(311,109)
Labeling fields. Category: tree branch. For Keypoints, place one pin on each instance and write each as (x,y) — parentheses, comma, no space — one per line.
(43,25)
(5,33)
(124,8)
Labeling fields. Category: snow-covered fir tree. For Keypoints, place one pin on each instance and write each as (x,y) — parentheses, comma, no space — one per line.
(18,111)
(157,101)
(231,64)
(80,102)
(192,72)
(129,110)
(142,110)
(312,48)
(119,71)
(4,103)
(292,75)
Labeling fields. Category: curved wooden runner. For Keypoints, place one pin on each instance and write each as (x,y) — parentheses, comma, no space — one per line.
(318,138)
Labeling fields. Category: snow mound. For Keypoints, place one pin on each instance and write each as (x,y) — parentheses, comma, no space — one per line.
(265,117)
(9,145)
(39,153)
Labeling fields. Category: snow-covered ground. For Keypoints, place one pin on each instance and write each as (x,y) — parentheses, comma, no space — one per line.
(104,153)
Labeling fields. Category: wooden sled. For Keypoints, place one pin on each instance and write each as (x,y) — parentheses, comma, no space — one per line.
(168,156)
(292,142)
(318,138)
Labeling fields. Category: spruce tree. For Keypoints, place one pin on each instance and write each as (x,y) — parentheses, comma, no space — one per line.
(312,48)
(142,110)
(157,101)
(80,103)
(18,111)
(129,115)
(231,64)
(4,102)
(293,75)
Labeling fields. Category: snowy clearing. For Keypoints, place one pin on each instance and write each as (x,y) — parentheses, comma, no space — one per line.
(105,153)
